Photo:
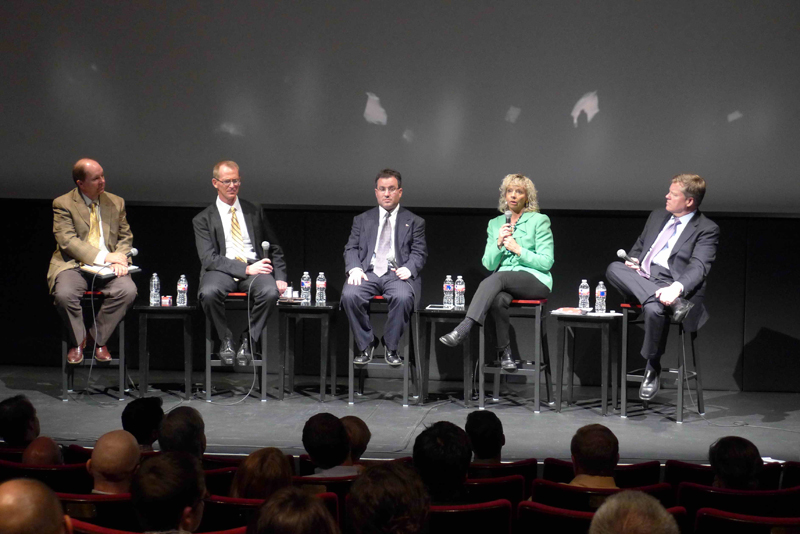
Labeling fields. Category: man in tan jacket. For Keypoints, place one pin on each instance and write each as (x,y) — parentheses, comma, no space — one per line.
(90,228)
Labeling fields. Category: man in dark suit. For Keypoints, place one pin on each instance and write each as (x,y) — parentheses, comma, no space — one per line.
(384,256)
(679,245)
(229,235)
(90,227)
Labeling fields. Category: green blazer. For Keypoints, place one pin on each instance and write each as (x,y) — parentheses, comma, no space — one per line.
(534,236)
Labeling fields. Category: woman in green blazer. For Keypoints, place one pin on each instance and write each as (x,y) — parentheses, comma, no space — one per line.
(520,254)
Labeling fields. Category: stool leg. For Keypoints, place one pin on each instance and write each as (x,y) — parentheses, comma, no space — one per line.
(481,370)
(406,363)
(187,356)
(561,362)
(614,366)
(263,364)
(537,359)
(546,361)
(122,367)
(569,349)
(323,358)
(284,339)
(209,348)
(351,368)
(496,391)
(64,366)
(697,378)
(144,357)
(604,368)
(623,366)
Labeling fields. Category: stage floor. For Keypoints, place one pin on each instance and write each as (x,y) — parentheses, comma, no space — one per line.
(770,420)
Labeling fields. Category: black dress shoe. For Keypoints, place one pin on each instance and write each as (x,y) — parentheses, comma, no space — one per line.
(453,339)
(680,309)
(365,356)
(244,355)
(226,352)
(507,360)
(650,385)
(393,358)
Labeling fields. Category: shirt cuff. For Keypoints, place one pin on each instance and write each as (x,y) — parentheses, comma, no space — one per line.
(678,286)
(100,259)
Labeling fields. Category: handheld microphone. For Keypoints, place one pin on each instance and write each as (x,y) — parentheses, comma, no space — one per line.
(508,216)
(132,252)
(392,262)
(621,254)
(265,248)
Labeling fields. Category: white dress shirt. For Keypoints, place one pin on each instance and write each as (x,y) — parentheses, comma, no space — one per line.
(230,247)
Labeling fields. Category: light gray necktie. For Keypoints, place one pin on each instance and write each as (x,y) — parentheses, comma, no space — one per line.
(384,243)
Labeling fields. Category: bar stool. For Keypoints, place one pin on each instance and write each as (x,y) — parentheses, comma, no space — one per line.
(533,309)
(683,375)
(68,369)
(379,305)
(236,301)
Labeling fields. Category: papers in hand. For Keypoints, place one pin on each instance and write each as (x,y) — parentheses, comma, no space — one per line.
(104,271)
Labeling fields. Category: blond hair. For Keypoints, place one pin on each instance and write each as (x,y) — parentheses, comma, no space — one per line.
(531,199)
(693,186)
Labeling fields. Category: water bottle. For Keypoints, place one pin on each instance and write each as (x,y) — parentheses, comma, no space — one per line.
(448,291)
(583,295)
(321,285)
(305,289)
(155,290)
(600,298)
(461,291)
(183,289)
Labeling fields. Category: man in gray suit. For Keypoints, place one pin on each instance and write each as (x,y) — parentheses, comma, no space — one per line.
(679,245)
(384,256)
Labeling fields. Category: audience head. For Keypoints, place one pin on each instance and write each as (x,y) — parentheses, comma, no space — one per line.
(167,492)
(595,451)
(114,460)
(261,474)
(389,498)
(183,430)
(292,511)
(18,422)
(632,512)
(442,455)
(485,433)
(142,417)
(736,463)
(358,434)
(325,440)
(29,507)
(43,451)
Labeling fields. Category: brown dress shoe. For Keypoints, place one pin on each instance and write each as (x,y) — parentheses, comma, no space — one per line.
(102,354)
(75,355)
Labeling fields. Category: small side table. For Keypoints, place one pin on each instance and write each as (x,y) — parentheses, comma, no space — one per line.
(425,320)
(289,315)
(607,324)
(183,313)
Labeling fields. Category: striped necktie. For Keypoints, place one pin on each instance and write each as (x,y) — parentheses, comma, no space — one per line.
(94,227)
(236,236)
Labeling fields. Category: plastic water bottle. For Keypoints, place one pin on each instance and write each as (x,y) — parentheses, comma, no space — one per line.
(600,298)
(461,291)
(305,289)
(448,291)
(183,289)
(155,290)
(321,285)
(583,295)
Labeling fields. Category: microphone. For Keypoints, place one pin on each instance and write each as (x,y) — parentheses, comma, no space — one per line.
(132,252)
(508,216)
(621,254)
(392,262)
(265,248)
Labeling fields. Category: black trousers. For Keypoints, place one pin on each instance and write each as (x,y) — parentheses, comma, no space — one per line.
(496,293)
(400,298)
(656,321)
(216,285)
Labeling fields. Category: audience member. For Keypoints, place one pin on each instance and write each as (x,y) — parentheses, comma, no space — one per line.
(167,492)
(442,454)
(114,460)
(261,474)
(18,422)
(485,433)
(183,430)
(325,441)
(43,451)
(29,507)
(291,511)
(595,453)
(633,512)
(142,417)
(389,498)
(359,435)
(736,463)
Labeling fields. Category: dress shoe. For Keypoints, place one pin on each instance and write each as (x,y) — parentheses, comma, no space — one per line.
(453,339)
(507,360)
(680,309)
(226,351)
(75,354)
(101,354)
(393,358)
(244,355)
(365,356)
(650,385)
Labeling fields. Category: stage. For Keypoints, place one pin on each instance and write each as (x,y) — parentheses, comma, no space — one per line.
(770,420)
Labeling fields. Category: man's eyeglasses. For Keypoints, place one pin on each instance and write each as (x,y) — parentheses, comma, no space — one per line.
(228,183)
(390,190)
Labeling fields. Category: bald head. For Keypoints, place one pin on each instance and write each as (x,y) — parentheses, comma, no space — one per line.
(82,168)
(114,459)
(29,507)
(42,451)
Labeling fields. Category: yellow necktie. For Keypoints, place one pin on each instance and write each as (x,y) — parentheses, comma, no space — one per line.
(236,236)
(94,227)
